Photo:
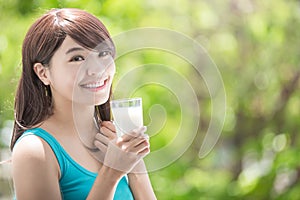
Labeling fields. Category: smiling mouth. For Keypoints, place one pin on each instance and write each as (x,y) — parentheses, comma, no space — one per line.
(95,86)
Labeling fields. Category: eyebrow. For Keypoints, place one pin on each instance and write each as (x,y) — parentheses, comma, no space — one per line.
(74,49)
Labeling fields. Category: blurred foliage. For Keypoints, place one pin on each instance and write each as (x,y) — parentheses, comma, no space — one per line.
(256,46)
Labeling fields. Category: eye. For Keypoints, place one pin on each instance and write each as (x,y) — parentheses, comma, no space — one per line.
(77,58)
(104,53)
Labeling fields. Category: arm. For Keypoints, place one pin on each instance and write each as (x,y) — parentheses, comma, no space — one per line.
(105,184)
(35,170)
(36,173)
(120,157)
(140,184)
(138,178)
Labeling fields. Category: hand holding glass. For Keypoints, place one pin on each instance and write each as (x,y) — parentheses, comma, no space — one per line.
(128,114)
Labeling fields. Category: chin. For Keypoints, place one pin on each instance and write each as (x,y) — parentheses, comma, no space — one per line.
(98,103)
(101,101)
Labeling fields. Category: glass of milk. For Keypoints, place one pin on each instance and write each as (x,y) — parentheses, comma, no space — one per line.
(127,114)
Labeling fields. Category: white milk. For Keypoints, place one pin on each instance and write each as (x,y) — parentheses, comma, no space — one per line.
(127,118)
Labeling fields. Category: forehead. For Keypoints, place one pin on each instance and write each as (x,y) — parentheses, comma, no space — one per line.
(67,44)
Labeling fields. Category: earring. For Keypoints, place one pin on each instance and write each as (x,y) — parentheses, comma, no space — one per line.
(46,91)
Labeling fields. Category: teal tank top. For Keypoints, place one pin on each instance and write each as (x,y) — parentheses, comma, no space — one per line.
(75,181)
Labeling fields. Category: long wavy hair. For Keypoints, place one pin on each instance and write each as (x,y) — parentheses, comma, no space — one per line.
(33,100)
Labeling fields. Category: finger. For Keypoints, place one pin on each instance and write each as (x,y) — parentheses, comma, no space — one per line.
(138,132)
(136,141)
(108,133)
(102,147)
(142,148)
(136,145)
(126,137)
(145,151)
(102,138)
(109,125)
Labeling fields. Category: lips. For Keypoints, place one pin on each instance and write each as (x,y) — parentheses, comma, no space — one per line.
(95,85)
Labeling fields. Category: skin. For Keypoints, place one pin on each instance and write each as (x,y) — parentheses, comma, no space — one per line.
(139,183)
(35,169)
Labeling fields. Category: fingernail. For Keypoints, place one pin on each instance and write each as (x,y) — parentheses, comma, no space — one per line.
(119,139)
(145,128)
(141,129)
(146,136)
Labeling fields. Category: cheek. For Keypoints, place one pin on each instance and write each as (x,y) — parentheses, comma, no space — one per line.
(112,70)
(65,79)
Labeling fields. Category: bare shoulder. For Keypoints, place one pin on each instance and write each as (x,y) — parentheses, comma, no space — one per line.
(30,148)
(34,169)
(33,153)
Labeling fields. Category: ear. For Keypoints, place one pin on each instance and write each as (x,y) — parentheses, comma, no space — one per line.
(42,72)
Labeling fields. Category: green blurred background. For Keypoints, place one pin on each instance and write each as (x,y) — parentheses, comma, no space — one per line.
(256,46)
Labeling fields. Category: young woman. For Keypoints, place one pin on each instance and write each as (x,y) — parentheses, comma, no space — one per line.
(64,144)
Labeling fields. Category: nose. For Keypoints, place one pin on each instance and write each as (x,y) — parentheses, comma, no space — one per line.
(94,66)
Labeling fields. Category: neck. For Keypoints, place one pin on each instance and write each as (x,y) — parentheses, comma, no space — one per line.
(76,119)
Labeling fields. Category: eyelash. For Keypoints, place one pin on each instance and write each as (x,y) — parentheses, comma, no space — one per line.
(104,53)
(74,58)
(101,54)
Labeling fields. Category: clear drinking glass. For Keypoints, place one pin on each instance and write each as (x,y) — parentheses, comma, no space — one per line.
(127,114)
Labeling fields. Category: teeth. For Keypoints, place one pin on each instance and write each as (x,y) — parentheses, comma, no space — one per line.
(94,85)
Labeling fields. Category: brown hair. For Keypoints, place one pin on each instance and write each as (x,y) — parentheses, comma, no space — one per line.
(33,100)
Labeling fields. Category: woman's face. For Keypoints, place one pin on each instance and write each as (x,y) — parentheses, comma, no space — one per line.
(79,75)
